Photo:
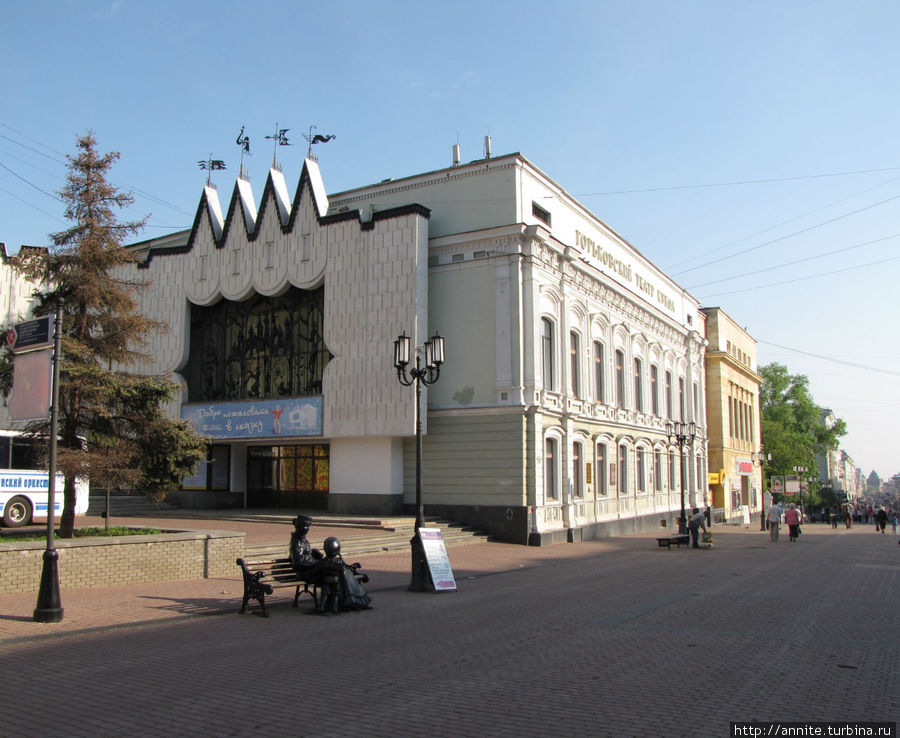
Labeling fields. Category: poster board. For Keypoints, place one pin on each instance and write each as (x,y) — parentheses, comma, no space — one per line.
(438,561)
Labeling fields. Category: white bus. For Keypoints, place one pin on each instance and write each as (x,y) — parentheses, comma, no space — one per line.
(23,483)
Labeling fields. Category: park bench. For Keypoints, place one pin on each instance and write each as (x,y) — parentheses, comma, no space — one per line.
(264,576)
(677,539)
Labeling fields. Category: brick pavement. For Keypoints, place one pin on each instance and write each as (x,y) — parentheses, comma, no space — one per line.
(602,638)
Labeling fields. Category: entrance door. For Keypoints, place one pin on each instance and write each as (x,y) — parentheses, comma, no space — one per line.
(288,476)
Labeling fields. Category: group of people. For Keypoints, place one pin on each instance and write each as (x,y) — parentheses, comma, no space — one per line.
(792,517)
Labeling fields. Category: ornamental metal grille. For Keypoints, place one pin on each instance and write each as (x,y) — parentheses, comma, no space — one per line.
(258,349)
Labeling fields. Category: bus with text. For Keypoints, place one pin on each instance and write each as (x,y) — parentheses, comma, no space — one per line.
(24,483)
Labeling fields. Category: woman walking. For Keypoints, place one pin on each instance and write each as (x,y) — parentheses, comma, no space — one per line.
(792,518)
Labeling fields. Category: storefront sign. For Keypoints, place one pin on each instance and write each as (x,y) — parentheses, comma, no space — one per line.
(438,561)
(256,419)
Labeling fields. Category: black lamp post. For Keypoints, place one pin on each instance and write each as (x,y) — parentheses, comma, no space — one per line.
(434,357)
(681,434)
(760,459)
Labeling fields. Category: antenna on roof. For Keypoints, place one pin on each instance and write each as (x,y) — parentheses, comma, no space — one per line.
(280,139)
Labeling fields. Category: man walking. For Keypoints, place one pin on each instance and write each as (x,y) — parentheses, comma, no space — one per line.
(773,518)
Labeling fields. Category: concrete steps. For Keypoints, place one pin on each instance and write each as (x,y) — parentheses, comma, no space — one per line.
(379,541)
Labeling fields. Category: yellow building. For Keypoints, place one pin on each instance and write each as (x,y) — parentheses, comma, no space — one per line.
(732,416)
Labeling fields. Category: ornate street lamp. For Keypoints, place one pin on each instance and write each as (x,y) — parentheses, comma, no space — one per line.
(759,458)
(434,357)
(681,434)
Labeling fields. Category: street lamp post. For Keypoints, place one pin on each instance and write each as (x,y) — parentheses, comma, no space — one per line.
(681,434)
(800,471)
(760,459)
(434,357)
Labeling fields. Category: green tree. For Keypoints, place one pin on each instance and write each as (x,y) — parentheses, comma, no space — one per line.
(112,427)
(792,430)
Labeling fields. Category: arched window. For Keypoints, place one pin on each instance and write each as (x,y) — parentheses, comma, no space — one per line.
(575,364)
(602,472)
(638,387)
(599,375)
(551,466)
(577,471)
(620,378)
(669,413)
(654,389)
(623,469)
(640,468)
(547,353)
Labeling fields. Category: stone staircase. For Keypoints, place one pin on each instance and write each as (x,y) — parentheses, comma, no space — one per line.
(126,506)
(386,536)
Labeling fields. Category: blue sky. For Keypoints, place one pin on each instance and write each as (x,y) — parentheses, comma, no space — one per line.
(719,138)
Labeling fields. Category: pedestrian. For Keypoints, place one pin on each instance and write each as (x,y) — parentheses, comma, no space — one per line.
(792,518)
(881,520)
(697,521)
(894,523)
(773,519)
(834,517)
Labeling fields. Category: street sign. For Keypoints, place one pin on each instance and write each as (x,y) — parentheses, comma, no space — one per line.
(31,335)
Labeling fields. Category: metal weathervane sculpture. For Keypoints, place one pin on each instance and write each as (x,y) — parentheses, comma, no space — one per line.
(244,142)
(211,165)
(315,139)
(280,139)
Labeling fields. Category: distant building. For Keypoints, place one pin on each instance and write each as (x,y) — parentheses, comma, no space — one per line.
(567,352)
(733,415)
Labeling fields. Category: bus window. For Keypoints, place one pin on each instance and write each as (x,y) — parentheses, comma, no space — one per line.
(24,455)
(4,452)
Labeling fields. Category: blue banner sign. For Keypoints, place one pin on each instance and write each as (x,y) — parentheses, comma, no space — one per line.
(256,419)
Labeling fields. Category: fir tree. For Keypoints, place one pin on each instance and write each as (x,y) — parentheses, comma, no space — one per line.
(112,427)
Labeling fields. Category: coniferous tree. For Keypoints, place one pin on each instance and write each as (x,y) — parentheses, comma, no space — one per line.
(112,427)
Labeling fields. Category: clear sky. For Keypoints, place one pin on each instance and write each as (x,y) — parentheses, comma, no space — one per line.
(749,149)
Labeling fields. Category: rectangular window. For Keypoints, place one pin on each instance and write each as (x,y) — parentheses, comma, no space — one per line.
(574,364)
(551,489)
(671,470)
(620,379)
(669,396)
(547,352)
(623,470)
(540,213)
(638,387)
(654,389)
(641,468)
(657,471)
(696,401)
(602,470)
(577,475)
(681,399)
(599,379)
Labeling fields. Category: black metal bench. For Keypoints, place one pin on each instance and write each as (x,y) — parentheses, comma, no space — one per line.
(678,539)
(263,577)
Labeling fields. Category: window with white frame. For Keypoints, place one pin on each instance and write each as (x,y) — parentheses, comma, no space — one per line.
(638,387)
(682,410)
(599,373)
(620,378)
(657,470)
(577,470)
(547,353)
(623,469)
(669,413)
(602,469)
(640,467)
(671,470)
(654,389)
(551,466)
(575,364)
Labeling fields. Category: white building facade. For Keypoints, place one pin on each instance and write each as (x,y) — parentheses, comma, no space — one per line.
(567,352)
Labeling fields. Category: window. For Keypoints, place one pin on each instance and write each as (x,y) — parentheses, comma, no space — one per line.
(669,396)
(623,470)
(641,468)
(259,349)
(657,471)
(577,475)
(700,475)
(681,408)
(620,378)
(574,364)
(599,378)
(638,387)
(538,212)
(671,470)
(547,352)
(602,470)
(696,401)
(551,487)
(654,389)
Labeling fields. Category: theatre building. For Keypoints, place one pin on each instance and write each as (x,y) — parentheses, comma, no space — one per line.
(567,352)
